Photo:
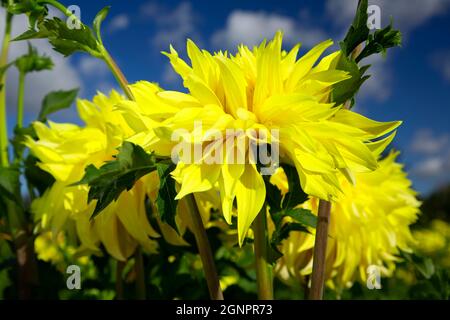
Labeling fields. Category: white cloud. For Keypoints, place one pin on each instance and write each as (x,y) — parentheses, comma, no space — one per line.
(426,142)
(174,25)
(441,62)
(251,27)
(119,22)
(90,66)
(38,84)
(434,167)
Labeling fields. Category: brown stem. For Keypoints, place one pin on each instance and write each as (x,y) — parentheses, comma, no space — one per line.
(204,250)
(320,249)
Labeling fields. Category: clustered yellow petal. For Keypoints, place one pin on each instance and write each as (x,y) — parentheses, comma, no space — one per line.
(369,224)
(257,90)
(64,151)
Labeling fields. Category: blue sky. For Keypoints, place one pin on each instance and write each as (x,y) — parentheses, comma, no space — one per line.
(412,84)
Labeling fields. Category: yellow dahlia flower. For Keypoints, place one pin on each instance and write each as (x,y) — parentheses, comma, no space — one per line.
(369,224)
(434,242)
(65,150)
(256,92)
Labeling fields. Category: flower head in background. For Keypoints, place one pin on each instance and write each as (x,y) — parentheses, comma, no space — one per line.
(64,151)
(254,93)
(370,222)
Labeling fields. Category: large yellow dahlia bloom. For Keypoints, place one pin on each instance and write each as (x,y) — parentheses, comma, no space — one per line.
(369,224)
(256,92)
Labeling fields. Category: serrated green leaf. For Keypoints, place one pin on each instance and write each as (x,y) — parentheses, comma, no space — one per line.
(10,185)
(296,195)
(110,180)
(380,41)
(165,202)
(101,15)
(358,31)
(64,39)
(281,234)
(347,89)
(55,101)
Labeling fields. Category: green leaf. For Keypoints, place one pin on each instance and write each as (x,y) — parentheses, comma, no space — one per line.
(380,41)
(347,89)
(303,216)
(296,195)
(423,265)
(19,138)
(55,101)
(10,185)
(101,15)
(32,8)
(358,31)
(37,178)
(281,234)
(65,40)
(110,180)
(165,202)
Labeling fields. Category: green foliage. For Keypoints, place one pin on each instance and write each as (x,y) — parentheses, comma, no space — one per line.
(10,185)
(166,203)
(377,42)
(358,31)
(55,101)
(380,41)
(282,207)
(32,61)
(34,10)
(110,180)
(347,89)
(65,40)
(36,177)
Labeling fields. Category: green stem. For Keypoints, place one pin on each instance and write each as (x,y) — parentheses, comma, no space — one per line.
(117,74)
(140,275)
(20,96)
(4,159)
(264,277)
(204,250)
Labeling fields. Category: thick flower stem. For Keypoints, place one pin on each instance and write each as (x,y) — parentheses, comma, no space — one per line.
(140,275)
(204,250)
(264,278)
(20,96)
(3,119)
(320,249)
